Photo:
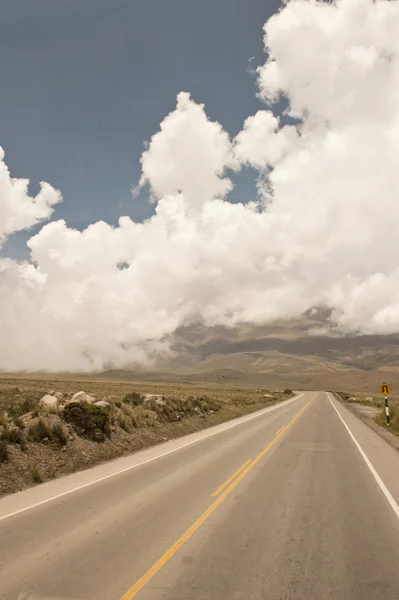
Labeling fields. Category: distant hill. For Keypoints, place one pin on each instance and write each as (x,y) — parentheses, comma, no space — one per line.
(297,353)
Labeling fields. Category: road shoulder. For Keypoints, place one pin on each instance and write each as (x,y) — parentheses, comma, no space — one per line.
(383,457)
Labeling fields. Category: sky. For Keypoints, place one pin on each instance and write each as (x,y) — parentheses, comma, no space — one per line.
(263,150)
(86,82)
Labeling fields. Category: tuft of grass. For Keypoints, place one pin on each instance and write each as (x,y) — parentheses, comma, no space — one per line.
(4,419)
(4,455)
(18,422)
(23,442)
(29,404)
(40,432)
(35,474)
(124,421)
(14,436)
(59,434)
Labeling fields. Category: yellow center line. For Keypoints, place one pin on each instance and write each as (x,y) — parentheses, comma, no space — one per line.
(230,479)
(157,566)
(280,430)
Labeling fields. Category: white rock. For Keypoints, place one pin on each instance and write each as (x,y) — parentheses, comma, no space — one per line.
(159,400)
(82,398)
(59,395)
(49,401)
(267,396)
(369,398)
(103,404)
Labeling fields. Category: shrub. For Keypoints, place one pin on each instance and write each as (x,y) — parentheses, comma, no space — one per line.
(4,456)
(59,434)
(40,431)
(133,398)
(287,391)
(90,421)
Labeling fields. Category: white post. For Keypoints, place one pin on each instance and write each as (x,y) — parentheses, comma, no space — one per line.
(387,410)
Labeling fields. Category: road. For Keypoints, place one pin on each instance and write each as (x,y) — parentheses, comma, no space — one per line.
(295,502)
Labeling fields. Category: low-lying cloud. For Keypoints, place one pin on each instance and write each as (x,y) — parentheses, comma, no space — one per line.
(321,233)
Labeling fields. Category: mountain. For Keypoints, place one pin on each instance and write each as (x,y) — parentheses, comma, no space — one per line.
(298,354)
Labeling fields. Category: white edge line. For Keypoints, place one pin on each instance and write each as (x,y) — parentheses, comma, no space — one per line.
(378,479)
(257,414)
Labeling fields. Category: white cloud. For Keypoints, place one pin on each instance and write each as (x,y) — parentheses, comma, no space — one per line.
(327,238)
(262,143)
(17,209)
(189,154)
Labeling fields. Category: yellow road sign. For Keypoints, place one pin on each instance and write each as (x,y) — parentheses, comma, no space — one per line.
(385,389)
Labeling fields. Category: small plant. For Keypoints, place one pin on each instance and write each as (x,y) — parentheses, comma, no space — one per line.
(133,398)
(90,421)
(18,422)
(40,432)
(35,474)
(287,391)
(4,455)
(59,434)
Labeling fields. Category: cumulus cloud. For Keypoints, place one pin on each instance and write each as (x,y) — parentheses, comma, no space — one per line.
(262,143)
(113,295)
(17,209)
(189,154)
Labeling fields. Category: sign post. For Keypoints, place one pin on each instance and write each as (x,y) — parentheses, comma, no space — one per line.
(385,390)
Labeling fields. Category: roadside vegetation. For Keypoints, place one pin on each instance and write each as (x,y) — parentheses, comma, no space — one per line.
(394,417)
(51,428)
(364,401)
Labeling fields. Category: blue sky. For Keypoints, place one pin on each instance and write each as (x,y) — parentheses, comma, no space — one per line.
(85,82)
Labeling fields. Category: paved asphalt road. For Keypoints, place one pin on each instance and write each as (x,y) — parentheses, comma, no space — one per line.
(313,516)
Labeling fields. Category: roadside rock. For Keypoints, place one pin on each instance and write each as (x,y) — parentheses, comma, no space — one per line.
(159,400)
(82,398)
(267,396)
(59,395)
(103,404)
(49,401)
